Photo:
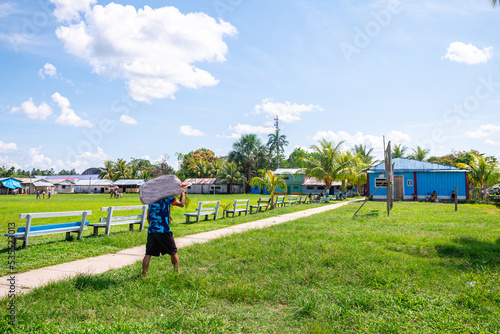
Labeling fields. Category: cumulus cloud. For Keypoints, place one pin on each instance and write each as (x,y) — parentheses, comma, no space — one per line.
(48,70)
(287,112)
(242,129)
(491,142)
(187,130)
(483,131)
(69,10)
(152,49)
(68,115)
(7,147)
(32,111)
(39,160)
(128,119)
(97,156)
(467,53)
(375,142)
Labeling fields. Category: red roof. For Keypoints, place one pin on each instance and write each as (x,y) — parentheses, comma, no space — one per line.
(189,182)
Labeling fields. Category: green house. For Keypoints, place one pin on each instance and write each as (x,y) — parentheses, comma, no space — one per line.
(294,178)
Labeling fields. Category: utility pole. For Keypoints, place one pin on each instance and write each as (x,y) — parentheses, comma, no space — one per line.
(276,124)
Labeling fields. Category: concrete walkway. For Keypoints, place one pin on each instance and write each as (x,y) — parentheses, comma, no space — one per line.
(32,279)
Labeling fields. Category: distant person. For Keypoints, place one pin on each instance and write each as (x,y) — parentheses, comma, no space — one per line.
(310,196)
(415,197)
(428,197)
(48,194)
(434,196)
(452,196)
(160,236)
(121,195)
(43,194)
(111,192)
(38,194)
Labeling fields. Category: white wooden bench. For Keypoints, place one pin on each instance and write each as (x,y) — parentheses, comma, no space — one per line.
(303,200)
(131,220)
(292,200)
(204,209)
(262,205)
(280,201)
(240,206)
(24,233)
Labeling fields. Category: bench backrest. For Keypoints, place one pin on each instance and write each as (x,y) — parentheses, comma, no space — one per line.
(293,198)
(263,201)
(280,199)
(54,214)
(241,204)
(112,209)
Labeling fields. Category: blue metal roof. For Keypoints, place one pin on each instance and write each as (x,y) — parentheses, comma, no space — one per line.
(408,165)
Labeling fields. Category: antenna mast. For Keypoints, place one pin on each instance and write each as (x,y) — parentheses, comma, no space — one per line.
(276,124)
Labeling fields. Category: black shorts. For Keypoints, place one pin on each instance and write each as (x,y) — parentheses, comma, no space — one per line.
(161,243)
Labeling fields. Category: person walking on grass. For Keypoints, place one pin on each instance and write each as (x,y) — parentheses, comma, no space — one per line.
(160,236)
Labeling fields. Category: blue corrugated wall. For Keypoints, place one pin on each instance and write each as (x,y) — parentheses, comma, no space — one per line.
(442,182)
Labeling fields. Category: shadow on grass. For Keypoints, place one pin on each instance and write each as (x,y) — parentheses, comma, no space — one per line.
(373,213)
(90,282)
(475,252)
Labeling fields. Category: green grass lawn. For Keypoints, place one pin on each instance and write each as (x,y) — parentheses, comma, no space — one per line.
(53,249)
(424,269)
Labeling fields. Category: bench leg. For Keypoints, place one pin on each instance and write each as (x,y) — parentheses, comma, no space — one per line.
(96,231)
(68,235)
(25,244)
(131,227)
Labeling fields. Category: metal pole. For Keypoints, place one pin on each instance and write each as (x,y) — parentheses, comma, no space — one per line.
(456,199)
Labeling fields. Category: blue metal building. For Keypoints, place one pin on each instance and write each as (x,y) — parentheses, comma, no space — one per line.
(419,177)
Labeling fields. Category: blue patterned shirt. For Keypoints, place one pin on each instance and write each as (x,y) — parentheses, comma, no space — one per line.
(158,214)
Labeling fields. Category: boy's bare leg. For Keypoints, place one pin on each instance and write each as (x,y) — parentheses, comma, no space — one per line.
(175,261)
(145,264)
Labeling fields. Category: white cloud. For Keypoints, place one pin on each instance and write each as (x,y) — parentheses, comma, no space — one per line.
(69,10)
(98,156)
(242,129)
(49,70)
(68,115)
(467,53)
(128,120)
(38,160)
(375,142)
(287,112)
(483,131)
(152,49)
(491,142)
(32,111)
(7,147)
(187,130)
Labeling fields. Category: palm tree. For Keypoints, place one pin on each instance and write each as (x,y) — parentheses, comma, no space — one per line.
(271,181)
(348,173)
(230,174)
(494,3)
(324,165)
(399,151)
(202,169)
(482,170)
(276,143)
(419,154)
(248,151)
(121,170)
(107,171)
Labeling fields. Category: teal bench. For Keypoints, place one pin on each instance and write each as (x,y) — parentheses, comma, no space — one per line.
(27,231)
(204,209)
(280,201)
(111,220)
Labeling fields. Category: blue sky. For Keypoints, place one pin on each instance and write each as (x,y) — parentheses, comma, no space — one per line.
(89,80)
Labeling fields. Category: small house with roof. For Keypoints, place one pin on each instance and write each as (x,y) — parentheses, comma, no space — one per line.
(205,186)
(93,186)
(128,186)
(294,178)
(9,185)
(420,178)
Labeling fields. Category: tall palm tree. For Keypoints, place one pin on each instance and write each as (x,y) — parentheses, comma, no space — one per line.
(121,170)
(419,154)
(271,181)
(248,151)
(494,3)
(399,151)
(348,173)
(324,165)
(482,170)
(276,143)
(107,171)
(229,174)
(365,155)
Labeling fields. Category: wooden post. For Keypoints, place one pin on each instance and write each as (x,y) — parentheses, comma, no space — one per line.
(456,199)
